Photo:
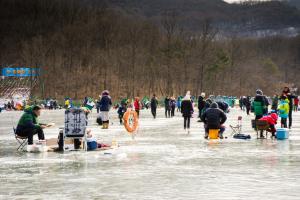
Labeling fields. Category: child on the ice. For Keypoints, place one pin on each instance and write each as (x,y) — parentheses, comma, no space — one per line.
(121,110)
(272,121)
(283,110)
(93,144)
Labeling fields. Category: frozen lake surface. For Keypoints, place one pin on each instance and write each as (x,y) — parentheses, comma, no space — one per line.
(162,162)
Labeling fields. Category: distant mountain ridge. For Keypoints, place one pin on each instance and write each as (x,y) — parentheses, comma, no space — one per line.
(247,19)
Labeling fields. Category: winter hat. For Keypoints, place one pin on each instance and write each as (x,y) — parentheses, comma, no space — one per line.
(187,96)
(203,94)
(105,92)
(259,92)
(214,105)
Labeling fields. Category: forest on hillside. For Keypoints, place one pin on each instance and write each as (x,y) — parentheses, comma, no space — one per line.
(84,48)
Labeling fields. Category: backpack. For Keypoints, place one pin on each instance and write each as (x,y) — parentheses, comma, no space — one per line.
(258,108)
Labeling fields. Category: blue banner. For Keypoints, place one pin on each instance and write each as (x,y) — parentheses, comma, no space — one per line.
(20,72)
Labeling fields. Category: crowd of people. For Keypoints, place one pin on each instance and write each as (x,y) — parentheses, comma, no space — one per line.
(210,111)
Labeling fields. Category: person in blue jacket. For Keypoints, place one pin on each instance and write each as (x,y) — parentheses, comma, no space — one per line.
(105,105)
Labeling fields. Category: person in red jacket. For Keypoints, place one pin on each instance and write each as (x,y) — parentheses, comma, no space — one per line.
(272,121)
(137,105)
(296,103)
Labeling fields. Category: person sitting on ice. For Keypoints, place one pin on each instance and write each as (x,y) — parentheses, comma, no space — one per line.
(214,118)
(28,124)
(93,144)
(272,121)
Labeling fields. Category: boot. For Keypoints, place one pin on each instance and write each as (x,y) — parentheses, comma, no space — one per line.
(262,135)
(206,136)
(104,125)
(221,135)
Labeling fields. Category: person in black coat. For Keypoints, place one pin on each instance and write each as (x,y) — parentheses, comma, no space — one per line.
(223,106)
(187,111)
(201,104)
(153,105)
(167,107)
(248,104)
(214,118)
(287,92)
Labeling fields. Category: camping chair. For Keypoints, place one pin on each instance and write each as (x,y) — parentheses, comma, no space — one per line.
(75,125)
(238,128)
(22,141)
(261,126)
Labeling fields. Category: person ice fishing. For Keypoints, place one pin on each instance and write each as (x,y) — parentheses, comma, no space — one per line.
(283,110)
(287,92)
(214,118)
(201,104)
(105,105)
(28,124)
(153,105)
(187,110)
(260,106)
(272,121)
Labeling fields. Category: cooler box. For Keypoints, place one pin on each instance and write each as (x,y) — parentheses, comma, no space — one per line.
(282,134)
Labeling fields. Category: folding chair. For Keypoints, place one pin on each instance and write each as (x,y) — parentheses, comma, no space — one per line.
(21,140)
(75,125)
(262,126)
(238,128)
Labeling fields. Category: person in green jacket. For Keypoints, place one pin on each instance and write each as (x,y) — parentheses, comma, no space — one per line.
(284,110)
(28,124)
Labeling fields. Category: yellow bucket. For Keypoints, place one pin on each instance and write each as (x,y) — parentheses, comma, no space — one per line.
(213,134)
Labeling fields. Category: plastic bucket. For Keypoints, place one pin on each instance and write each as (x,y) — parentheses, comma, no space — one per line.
(213,134)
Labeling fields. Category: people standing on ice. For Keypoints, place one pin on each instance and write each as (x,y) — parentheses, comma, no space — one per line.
(187,110)
(286,92)
(121,110)
(296,103)
(9,107)
(28,124)
(105,105)
(98,104)
(260,106)
(241,103)
(214,118)
(179,100)
(275,100)
(272,121)
(283,110)
(248,104)
(55,106)
(137,105)
(167,107)
(173,106)
(153,105)
(201,104)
